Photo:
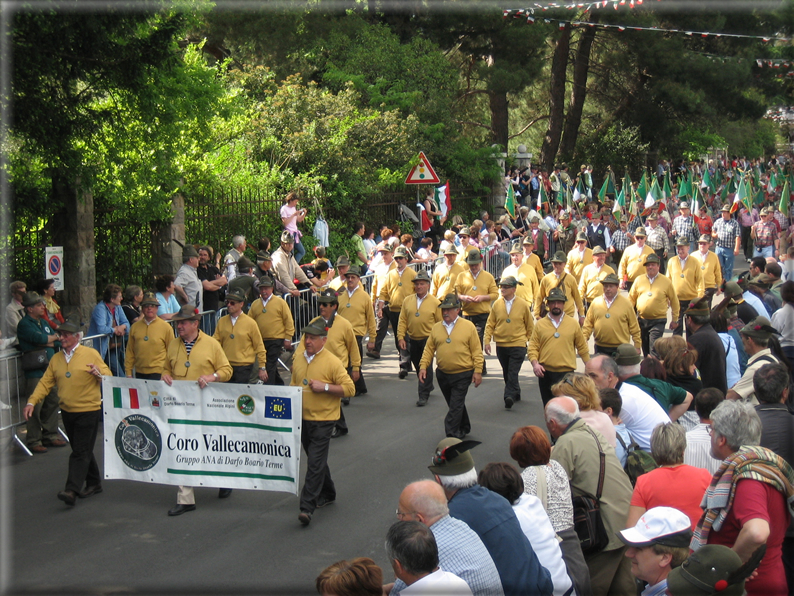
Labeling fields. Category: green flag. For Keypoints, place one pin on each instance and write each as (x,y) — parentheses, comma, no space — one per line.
(510,201)
(708,182)
(543,198)
(759,197)
(785,198)
(602,194)
(685,187)
(743,196)
(667,188)
(772,185)
(642,189)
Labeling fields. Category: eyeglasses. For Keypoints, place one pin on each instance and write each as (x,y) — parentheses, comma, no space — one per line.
(401,515)
(710,429)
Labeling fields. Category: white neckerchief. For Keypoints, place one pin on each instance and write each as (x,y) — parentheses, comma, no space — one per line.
(264,302)
(474,277)
(449,327)
(68,355)
(310,358)
(555,323)
(509,304)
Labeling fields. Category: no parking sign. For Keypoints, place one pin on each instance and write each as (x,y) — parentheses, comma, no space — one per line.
(53,257)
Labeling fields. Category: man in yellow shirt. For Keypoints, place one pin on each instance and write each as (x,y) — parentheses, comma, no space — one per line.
(274,319)
(590,286)
(390,301)
(531,259)
(523,273)
(456,347)
(633,260)
(356,306)
(241,341)
(709,267)
(476,289)
(148,342)
(342,266)
(579,257)
(77,372)
(465,247)
(554,343)
(325,382)
(446,274)
(565,282)
(687,279)
(380,274)
(652,294)
(194,356)
(417,317)
(510,324)
(611,319)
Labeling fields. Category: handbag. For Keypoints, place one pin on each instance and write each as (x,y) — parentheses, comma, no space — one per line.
(587,519)
(36,360)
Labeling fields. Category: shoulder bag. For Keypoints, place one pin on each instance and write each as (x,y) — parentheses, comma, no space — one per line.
(587,511)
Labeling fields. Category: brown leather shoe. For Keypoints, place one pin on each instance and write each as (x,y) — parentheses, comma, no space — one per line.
(38,449)
(90,490)
(68,496)
(55,443)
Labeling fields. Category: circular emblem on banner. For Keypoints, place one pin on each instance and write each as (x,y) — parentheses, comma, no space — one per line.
(54,265)
(246,405)
(138,442)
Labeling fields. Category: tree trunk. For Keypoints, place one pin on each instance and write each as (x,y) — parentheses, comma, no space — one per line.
(559,66)
(74,230)
(578,94)
(499,118)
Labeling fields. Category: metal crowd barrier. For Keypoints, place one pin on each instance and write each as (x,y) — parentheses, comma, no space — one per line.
(12,398)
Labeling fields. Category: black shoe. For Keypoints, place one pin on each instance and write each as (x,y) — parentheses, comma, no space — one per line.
(305,518)
(224,493)
(373,354)
(508,403)
(517,399)
(179,509)
(346,401)
(323,501)
(68,496)
(362,392)
(422,402)
(484,371)
(90,490)
(338,432)
(403,373)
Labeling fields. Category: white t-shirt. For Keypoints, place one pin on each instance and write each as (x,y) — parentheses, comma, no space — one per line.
(438,583)
(537,528)
(640,413)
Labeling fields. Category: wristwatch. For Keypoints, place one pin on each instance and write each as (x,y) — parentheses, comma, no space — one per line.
(217,378)
(326,387)
(262,368)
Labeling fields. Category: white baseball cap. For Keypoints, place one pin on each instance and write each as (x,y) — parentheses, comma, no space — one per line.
(659,525)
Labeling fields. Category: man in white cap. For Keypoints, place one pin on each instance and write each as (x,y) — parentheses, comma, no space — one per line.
(656,545)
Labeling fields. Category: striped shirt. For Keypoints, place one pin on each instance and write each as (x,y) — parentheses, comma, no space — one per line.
(685,227)
(727,232)
(620,240)
(657,238)
(698,449)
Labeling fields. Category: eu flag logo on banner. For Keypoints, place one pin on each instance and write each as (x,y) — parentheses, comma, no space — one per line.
(278,407)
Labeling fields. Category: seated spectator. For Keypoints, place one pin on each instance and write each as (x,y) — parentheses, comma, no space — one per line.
(133,295)
(169,306)
(679,363)
(52,312)
(673,483)
(359,577)
(698,439)
(424,254)
(583,390)
(109,321)
(611,404)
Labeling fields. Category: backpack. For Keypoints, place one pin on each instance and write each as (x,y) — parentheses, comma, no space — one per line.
(638,461)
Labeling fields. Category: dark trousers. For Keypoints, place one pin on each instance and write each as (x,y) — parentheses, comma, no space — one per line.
(547,381)
(382,328)
(148,376)
(616,256)
(455,387)
(479,322)
(316,439)
(511,360)
(683,305)
(417,347)
(662,261)
(747,242)
(241,374)
(650,331)
(44,421)
(273,348)
(361,386)
(81,428)
(604,350)
(341,424)
(405,355)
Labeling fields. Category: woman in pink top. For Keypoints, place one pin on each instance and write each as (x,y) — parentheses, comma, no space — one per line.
(291,216)
(673,483)
(583,390)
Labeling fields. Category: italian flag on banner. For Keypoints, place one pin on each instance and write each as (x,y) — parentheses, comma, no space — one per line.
(125,398)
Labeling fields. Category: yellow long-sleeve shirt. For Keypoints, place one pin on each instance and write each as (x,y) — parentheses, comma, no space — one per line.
(482,285)
(379,278)
(463,253)
(590,286)
(688,283)
(418,323)
(555,347)
(577,261)
(653,299)
(206,357)
(341,343)
(397,287)
(147,345)
(337,283)
(568,286)
(509,330)
(710,269)
(533,261)
(327,368)
(527,276)
(461,353)
(632,264)
(444,278)
(614,325)
(80,391)
(358,310)
(274,320)
(242,342)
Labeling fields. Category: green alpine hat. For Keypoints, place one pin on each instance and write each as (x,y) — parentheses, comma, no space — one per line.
(266,281)
(401,253)
(32,299)
(509,282)
(262,255)
(652,258)
(599,251)
(580,237)
(698,308)
(732,289)
(421,276)
(316,327)
(70,326)
(244,263)
(640,232)
(704,239)
(759,328)
(451,250)
(709,570)
(626,355)
(516,249)
(352,271)
(149,299)
(450,301)
(452,457)
(762,280)
(235,295)
(328,297)
(474,257)
(559,257)
(556,295)
(189,251)
(188,312)
(610,279)
(465,231)
(342,261)
(286,238)
(681,241)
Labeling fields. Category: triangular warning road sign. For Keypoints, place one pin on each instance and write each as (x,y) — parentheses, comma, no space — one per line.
(422,173)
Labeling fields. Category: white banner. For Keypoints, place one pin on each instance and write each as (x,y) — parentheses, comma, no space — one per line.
(53,265)
(225,435)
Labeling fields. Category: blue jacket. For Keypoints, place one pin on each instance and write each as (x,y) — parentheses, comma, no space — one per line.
(493,519)
(102,324)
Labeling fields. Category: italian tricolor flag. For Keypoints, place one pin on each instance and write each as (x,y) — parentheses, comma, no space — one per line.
(125,398)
